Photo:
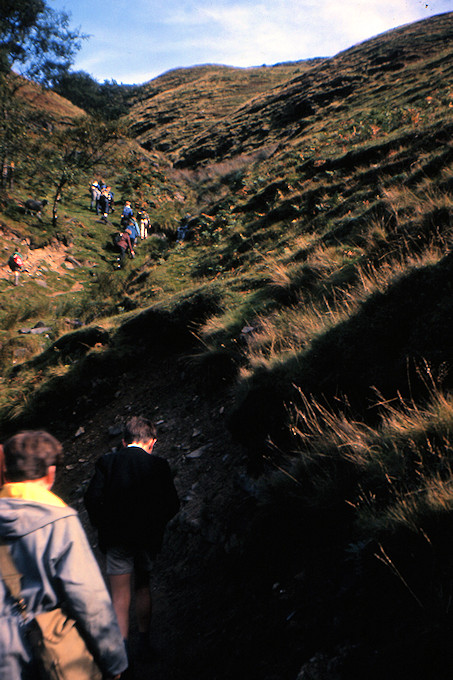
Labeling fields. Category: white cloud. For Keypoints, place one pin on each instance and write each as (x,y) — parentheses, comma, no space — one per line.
(135,41)
(352,21)
(244,33)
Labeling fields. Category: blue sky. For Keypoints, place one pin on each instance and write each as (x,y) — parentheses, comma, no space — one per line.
(133,41)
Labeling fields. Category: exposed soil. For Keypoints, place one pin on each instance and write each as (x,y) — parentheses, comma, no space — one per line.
(38,261)
(187,623)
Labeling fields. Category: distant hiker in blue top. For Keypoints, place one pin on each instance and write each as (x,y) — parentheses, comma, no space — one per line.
(134,228)
(183,228)
(126,214)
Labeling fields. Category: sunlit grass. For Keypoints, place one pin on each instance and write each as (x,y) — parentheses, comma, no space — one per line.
(403,465)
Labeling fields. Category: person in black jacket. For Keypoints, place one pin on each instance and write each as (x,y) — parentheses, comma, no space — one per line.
(130,499)
(104,205)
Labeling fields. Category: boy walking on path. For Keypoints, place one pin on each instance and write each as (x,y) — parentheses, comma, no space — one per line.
(51,552)
(130,500)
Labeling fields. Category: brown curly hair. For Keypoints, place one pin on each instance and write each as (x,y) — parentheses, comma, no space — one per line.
(29,454)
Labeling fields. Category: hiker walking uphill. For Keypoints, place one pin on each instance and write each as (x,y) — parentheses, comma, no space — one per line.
(95,193)
(126,214)
(42,539)
(111,197)
(144,223)
(104,205)
(123,242)
(16,263)
(130,500)
(134,229)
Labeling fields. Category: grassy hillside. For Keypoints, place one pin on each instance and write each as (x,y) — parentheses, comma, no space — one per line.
(313,299)
(367,90)
(56,107)
(183,103)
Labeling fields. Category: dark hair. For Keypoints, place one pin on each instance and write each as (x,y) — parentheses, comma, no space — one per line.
(139,429)
(29,454)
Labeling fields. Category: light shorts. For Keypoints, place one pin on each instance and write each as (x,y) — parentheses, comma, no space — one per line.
(121,560)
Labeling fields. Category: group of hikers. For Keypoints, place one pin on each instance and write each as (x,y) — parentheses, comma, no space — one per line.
(133,227)
(102,198)
(130,499)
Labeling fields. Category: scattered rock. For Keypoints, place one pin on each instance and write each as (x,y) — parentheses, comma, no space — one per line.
(72,260)
(74,323)
(80,431)
(115,430)
(36,330)
(80,341)
(198,452)
(41,329)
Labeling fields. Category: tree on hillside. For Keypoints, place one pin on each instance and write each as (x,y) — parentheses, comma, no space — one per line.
(74,151)
(36,40)
(108,100)
(36,43)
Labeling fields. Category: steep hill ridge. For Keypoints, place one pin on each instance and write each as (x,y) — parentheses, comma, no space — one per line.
(330,91)
(175,107)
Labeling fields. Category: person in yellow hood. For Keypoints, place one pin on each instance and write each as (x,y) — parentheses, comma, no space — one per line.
(50,549)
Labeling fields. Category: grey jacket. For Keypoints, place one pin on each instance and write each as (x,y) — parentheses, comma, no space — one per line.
(51,551)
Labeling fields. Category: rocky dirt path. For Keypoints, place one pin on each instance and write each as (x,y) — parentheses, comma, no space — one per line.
(193,437)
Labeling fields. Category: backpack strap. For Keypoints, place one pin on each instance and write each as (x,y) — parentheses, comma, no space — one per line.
(11,576)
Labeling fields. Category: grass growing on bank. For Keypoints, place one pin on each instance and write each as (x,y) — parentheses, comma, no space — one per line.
(401,470)
(359,518)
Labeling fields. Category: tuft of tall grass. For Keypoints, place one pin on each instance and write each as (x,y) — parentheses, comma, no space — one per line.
(24,308)
(399,472)
(17,349)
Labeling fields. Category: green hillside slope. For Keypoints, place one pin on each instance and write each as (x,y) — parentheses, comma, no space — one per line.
(367,85)
(182,104)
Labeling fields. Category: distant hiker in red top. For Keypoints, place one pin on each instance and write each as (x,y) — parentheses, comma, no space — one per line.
(16,263)
(124,244)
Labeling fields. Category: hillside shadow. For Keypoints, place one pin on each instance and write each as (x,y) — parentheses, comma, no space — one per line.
(379,350)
